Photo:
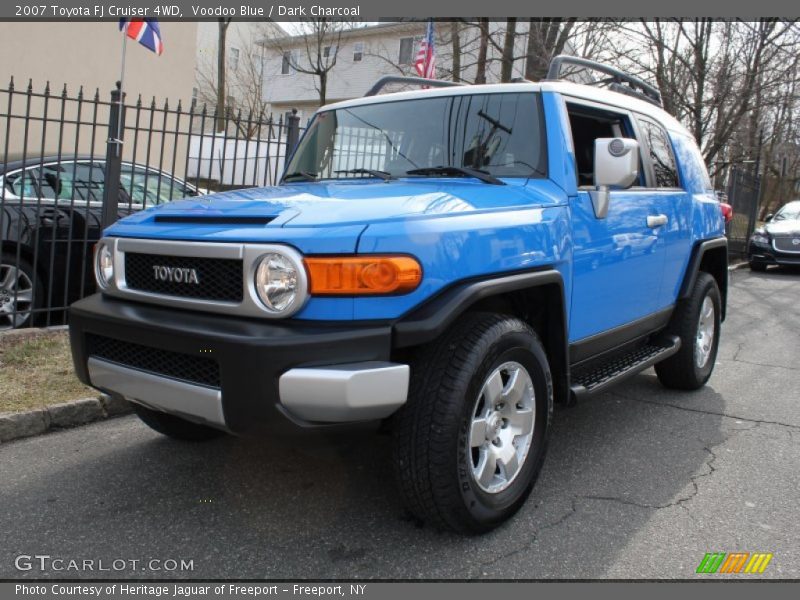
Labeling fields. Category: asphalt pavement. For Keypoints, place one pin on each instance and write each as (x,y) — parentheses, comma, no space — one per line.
(639,482)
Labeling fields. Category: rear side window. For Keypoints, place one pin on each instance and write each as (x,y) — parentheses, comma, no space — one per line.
(693,167)
(660,152)
(23,183)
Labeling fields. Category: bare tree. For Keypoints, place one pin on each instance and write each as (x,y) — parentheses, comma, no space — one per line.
(317,50)
(483,48)
(240,87)
(507,57)
(455,45)
(546,39)
(720,78)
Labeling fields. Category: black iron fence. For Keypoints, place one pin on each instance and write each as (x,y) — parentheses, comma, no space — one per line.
(72,162)
(743,195)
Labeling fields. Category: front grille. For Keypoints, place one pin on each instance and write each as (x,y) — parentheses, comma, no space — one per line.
(218,279)
(191,369)
(786,244)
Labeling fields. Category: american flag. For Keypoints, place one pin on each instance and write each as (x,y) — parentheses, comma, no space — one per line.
(144,31)
(426,57)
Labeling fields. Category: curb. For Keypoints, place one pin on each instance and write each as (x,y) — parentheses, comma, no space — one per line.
(61,416)
(737,266)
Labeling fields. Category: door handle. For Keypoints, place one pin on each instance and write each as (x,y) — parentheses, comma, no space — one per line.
(654,221)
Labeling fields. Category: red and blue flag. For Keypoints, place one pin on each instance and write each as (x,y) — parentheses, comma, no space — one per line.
(144,31)
(426,55)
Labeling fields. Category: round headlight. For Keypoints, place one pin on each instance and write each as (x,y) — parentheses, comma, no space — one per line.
(103,265)
(280,283)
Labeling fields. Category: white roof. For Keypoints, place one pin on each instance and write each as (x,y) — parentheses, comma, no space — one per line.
(566,88)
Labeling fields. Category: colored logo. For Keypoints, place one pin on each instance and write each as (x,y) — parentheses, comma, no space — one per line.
(734,562)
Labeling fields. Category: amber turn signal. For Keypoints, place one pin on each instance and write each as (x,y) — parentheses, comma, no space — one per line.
(362,275)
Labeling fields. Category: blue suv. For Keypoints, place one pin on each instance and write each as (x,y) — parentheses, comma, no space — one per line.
(448,262)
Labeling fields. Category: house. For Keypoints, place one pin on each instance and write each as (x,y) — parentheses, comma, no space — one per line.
(361,56)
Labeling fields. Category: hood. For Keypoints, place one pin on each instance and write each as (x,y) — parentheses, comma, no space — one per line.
(787,227)
(315,215)
(345,203)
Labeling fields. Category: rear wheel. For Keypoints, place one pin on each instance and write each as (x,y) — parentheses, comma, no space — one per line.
(470,442)
(175,427)
(696,322)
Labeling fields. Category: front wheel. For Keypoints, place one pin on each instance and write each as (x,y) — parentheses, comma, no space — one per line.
(20,292)
(696,322)
(470,442)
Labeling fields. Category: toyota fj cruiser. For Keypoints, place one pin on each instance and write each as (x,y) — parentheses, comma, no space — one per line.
(449,261)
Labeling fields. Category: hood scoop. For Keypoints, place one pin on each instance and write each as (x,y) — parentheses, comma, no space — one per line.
(213,220)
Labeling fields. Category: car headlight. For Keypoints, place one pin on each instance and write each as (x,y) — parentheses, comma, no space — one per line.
(281,282)
(103,265)
(760,238)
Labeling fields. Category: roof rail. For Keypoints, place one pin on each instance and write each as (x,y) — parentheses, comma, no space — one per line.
(619,81)
(387,79)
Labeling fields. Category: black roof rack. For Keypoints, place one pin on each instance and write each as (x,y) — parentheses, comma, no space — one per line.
(618,81)
(387,79)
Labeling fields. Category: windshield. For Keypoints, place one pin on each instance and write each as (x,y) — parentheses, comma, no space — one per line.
(502,134)
(790,212)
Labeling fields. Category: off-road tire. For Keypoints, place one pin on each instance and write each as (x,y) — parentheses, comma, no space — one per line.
(175,427)
(431,449)
(680,370)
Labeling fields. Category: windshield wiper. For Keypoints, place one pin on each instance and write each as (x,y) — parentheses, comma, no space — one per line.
(385,175)
(304,175)
(480,174)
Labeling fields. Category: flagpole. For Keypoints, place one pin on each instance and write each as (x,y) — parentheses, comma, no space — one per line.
(121,93)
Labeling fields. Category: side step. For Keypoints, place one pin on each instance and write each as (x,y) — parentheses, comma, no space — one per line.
(599,377)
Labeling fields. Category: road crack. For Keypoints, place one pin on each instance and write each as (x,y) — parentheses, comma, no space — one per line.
(676,503)
(705,412)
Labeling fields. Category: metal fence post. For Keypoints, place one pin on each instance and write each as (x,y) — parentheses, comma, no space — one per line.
(116,131)
(292,132)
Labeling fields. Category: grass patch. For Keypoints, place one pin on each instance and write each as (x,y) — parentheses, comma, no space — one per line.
(36,370)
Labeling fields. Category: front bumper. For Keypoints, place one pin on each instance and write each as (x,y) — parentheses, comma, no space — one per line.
(242,375)
(768,255)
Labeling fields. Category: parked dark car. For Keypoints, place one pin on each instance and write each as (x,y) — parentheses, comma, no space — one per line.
(50,218)
(777,242)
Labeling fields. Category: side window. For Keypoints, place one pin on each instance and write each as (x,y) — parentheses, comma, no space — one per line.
(407,52)
(57,181)
(88,181)
(587,125)
(659,149)
(287,62)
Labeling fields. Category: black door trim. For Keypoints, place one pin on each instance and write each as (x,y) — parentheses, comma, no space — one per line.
(613,339)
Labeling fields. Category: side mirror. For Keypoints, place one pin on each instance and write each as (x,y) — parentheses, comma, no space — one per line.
(616,165)
(768,217)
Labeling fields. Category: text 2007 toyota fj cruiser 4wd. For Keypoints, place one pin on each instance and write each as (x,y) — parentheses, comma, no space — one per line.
(451,260)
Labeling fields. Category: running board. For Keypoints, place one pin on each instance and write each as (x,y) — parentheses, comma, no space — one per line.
(598,378)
